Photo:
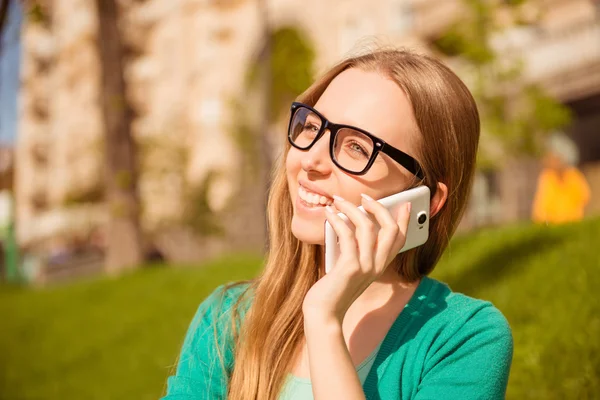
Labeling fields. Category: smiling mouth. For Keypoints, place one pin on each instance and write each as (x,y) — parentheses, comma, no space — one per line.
(311,199)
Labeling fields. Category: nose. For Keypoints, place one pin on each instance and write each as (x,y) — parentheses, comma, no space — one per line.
(317,158)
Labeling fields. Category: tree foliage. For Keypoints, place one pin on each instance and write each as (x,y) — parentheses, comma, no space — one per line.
(516,115)
(291,72)
(291,62)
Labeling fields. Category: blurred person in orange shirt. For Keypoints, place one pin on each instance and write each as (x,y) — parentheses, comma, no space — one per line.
(562,192)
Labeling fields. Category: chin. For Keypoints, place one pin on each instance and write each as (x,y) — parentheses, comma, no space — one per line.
(308,232)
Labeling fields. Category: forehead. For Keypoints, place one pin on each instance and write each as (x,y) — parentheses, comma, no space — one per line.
(370,101)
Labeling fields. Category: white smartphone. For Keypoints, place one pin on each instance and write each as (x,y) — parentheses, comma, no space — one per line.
(418,226)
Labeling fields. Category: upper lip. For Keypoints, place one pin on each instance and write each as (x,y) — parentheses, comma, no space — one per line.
(314,189)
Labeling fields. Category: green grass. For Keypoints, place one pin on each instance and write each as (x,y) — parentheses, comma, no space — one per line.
(546,280)
(118,338)
(107,339)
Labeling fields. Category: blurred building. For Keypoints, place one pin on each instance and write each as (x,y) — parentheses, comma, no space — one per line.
(561,51)
(7,166)
(188,60)
(58,142)
(558,42)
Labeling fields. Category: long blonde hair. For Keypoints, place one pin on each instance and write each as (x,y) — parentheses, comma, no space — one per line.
(272,331)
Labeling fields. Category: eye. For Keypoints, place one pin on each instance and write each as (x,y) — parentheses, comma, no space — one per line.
(310,128)
(358,148)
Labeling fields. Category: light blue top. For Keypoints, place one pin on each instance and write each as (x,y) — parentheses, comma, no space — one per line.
(296,388)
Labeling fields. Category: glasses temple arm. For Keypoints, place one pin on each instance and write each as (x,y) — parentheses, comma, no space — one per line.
(404,159)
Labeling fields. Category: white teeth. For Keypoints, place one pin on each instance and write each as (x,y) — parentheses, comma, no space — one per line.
(313,198)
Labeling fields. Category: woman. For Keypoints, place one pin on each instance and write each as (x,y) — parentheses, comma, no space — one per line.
(562,192)
(376,326)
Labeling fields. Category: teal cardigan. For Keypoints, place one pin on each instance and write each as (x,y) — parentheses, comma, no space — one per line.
(443,345)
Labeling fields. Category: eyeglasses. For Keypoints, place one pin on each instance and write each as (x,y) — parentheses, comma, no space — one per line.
(352,149)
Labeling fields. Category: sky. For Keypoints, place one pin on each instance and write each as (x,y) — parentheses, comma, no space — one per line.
(9,74)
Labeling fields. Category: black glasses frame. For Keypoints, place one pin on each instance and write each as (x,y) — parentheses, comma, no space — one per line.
(379,145)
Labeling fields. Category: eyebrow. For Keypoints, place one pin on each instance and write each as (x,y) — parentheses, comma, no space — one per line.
(343,123)
(314,117)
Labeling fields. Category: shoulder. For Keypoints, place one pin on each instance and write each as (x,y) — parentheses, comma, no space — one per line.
(574,173)
(465,346)
(474,312)
(547,173)
(479,319)
(464,321)
(460,312)
(223,299)
(217,308)
(228,294)
(207,351)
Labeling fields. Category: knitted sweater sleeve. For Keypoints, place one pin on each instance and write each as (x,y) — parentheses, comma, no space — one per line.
(472,362)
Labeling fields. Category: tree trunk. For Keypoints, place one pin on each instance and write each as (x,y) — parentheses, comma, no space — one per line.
(3,19)
(123,236)
(3,14)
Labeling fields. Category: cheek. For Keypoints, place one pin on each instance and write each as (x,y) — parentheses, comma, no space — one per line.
(292,167)
(292,161)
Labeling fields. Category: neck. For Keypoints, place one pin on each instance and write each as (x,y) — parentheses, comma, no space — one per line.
(387,287)
(381,302)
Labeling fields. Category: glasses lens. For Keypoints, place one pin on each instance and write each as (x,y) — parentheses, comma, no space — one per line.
(304,127)
(352,150)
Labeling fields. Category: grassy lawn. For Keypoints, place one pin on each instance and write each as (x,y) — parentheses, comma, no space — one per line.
(118,339)
(106,339)
(546,281)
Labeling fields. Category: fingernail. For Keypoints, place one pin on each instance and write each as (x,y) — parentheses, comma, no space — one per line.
(338,198)
(329,209)
(408,207)
(366,197)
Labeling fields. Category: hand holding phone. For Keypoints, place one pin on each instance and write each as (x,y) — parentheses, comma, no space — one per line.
(418,226)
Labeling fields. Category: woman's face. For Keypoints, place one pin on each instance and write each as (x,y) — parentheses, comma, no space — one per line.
(366,100)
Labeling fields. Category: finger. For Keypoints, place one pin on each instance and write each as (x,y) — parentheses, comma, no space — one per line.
(366,231)
(345,234)
(402,221)
(394,243)
(386,237)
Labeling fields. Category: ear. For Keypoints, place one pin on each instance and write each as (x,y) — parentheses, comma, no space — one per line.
(439,199)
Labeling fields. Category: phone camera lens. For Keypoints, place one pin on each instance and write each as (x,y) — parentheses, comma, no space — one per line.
(422,218)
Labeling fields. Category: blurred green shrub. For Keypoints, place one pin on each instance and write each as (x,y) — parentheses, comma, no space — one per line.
(118,339)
